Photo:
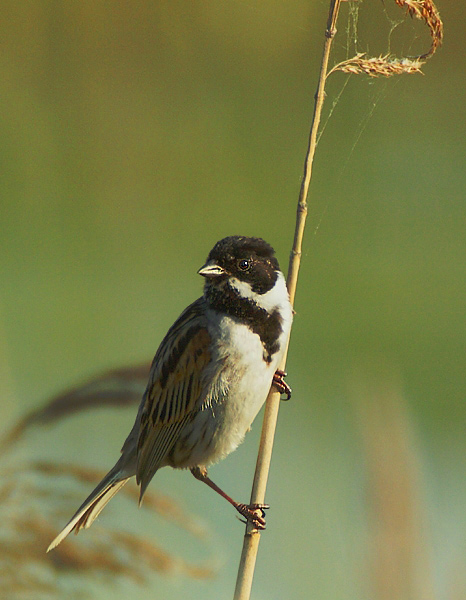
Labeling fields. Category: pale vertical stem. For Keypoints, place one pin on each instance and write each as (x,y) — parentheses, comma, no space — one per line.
(252,535)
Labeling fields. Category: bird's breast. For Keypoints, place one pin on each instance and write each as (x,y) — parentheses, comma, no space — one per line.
(236,384)
(240,379)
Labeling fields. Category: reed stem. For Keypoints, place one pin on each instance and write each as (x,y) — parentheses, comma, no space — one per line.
(252,535)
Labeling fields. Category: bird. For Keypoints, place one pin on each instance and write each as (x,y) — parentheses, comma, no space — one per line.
(209,378)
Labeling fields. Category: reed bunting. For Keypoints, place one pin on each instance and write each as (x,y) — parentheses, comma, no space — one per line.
(209,378)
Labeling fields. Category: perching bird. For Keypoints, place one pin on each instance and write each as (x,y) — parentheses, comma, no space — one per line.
(209,378)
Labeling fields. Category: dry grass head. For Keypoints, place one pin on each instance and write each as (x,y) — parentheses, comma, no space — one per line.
(36,497)
(426,11)
(387,65)
(380,66)
(399,560)
(116,388)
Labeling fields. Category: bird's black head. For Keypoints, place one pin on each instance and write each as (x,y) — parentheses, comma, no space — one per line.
(242,259)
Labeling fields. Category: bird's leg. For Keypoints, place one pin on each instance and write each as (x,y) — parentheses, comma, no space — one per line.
(279,382)
(248,511)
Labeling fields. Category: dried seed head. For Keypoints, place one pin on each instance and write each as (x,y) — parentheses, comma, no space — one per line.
(426,11)
(381,66)
(386,66)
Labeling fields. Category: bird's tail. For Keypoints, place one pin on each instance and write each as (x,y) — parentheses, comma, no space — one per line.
(94,503)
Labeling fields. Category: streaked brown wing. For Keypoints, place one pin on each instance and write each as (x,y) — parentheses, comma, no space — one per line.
(174,391)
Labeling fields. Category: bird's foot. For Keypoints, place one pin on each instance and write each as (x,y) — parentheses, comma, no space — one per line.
(279,382)
(251,513)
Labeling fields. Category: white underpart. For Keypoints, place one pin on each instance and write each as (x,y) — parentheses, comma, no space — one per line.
(239,379)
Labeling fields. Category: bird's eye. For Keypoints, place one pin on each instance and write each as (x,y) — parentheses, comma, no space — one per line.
(244,264)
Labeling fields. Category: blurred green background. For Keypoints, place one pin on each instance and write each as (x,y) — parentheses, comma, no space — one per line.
(134,136)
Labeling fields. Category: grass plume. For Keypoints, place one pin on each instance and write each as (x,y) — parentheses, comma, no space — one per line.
(388,65)
(33,504)
(116,388)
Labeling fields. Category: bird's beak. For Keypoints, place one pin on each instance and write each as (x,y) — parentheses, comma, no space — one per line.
(211,270)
